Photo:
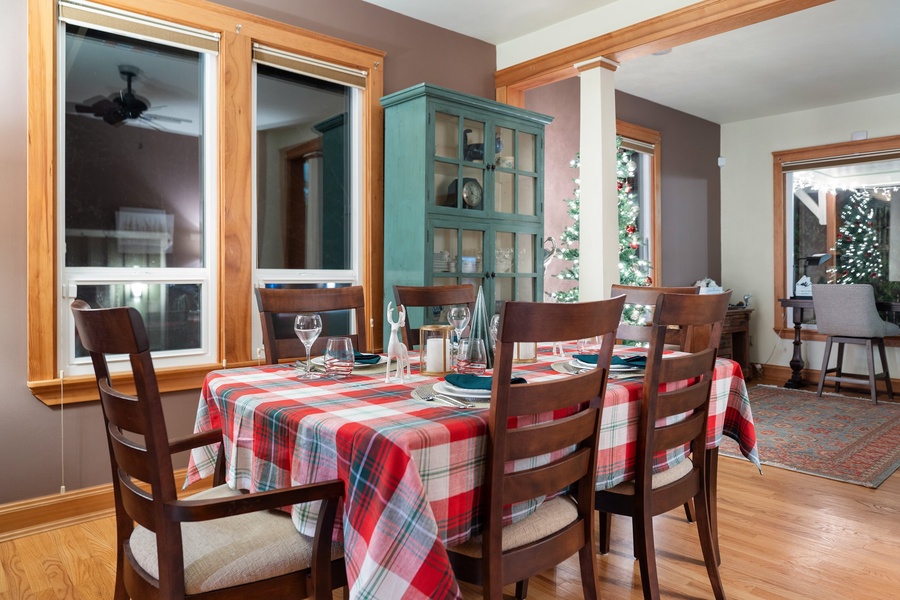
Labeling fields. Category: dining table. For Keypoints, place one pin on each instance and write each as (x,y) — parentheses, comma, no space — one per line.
(412,464)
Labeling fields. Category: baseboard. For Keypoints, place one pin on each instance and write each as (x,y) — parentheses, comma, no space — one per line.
(45,513)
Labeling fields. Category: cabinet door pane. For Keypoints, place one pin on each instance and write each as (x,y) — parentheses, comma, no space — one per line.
(445,176)
(473,141)
(504,148)
(445,250)
(504,192)
(503,289)
(504,251)
(526,201)
(527,154)
(446,135)
(525,289)
(472,251)
(526,253)
(472,192)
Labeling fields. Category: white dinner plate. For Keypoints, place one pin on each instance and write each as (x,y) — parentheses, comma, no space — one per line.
(581,365)
(442,387)
(319,361)
(625,368)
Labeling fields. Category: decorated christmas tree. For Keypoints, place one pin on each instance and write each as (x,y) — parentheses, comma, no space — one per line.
(568,242)
(632,269)
(860,258)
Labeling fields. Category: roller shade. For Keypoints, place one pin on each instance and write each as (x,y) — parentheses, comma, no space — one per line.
(837,161)
(309,66)
(117,21)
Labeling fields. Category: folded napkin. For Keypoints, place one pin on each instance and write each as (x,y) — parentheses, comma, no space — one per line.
(590,359)
(635,360)
(468,381)
(366,359)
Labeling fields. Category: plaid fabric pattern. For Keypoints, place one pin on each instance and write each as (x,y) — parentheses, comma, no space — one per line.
(412,469)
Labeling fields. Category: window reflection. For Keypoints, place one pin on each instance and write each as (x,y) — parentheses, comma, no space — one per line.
(303,196)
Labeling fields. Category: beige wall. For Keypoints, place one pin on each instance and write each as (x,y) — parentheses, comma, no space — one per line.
(747,215)
(31,446)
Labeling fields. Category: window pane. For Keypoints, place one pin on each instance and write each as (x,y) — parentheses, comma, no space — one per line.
(846,226)
(171,311)
(133,153)
(303,150)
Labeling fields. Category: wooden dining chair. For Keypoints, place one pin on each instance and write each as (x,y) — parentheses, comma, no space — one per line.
(640,302)
(562,453)
(427,297)
(279,306)
(218,543)
(674,385)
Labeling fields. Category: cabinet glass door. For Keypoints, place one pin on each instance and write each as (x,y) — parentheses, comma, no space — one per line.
(515,175)
(457,184)
(515,267)
(458,255)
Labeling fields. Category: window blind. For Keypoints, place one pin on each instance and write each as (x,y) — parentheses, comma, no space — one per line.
(309,66)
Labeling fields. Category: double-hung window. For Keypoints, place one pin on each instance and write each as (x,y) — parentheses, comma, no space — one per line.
(137,183)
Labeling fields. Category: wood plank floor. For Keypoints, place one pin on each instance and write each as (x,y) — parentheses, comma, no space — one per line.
(783,535)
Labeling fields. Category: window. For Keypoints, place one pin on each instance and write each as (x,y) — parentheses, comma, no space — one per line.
(643,147)
(137,189)
(837,206)
(172,234)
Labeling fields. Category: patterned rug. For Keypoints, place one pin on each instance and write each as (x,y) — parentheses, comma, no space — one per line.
(838,437)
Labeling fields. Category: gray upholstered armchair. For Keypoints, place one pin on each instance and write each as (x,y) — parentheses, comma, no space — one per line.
(847,314)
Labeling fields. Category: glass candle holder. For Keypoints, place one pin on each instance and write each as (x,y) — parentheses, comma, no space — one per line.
(525,352)
(434,349)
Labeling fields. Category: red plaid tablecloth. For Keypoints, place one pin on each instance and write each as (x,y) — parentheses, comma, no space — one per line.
(412,468)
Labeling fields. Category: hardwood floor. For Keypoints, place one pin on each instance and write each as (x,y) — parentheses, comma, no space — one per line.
(783,535)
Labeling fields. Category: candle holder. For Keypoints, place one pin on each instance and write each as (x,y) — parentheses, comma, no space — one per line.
(525,352)
(434,349)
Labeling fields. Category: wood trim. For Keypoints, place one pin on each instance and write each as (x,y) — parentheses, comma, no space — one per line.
(779,238)
(691,23)
(35,515)
(650,136)
(234,277)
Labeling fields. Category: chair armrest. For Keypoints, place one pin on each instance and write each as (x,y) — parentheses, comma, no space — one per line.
(195,440)
(215,508)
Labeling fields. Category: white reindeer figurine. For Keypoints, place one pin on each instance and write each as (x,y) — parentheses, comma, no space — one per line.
(396,348)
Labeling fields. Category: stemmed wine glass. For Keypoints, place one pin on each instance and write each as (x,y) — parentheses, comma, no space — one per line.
(458,317)
(308,327)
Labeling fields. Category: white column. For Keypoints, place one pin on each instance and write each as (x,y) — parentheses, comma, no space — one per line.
(599,234)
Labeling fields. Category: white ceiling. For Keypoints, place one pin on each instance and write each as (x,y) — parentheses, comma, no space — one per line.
(839,52)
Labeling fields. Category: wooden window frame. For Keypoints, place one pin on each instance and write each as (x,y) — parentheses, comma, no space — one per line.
(780,238)
(233,264)
(653,138)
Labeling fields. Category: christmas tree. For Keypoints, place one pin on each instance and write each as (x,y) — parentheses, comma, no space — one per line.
(860,258)
(632,269)
(568,242)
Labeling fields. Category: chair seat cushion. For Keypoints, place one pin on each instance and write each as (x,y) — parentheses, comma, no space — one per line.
(550,517)
(231,551)
(659,479)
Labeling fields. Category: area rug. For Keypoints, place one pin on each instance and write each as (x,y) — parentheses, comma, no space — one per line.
(838,437)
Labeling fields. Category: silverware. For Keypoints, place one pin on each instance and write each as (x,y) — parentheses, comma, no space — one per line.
(448,400)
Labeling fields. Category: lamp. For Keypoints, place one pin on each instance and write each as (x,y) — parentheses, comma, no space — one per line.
(803,286)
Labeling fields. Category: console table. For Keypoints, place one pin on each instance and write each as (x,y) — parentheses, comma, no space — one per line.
(735,340)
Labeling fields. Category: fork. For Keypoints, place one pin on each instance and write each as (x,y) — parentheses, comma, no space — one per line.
(448,400)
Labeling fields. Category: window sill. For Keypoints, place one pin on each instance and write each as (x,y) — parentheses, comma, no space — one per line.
(84,388)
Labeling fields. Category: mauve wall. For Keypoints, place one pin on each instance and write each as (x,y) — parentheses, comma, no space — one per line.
(690,198)
(30,440)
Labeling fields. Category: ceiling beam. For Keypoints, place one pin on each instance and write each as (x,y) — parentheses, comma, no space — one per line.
(691,23)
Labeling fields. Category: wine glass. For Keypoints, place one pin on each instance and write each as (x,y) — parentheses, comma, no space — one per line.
(308,327)
(458,317)
(494,329)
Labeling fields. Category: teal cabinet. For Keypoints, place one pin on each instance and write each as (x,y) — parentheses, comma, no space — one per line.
(463,195)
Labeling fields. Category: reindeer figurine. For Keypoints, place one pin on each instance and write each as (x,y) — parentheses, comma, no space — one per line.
(396,348)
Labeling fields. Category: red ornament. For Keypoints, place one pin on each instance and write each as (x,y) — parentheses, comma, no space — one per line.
(630,228)
(649,280)
(619,185)
(634,245)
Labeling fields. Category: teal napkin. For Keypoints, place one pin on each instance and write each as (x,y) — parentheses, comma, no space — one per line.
(590,359)
(468,381)
(638,360)
(366,359)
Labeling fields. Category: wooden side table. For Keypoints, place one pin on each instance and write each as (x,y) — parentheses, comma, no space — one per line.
(735,341)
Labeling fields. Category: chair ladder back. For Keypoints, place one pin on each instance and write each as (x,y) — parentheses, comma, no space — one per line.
(428,296)
(278,307)
(648,296)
